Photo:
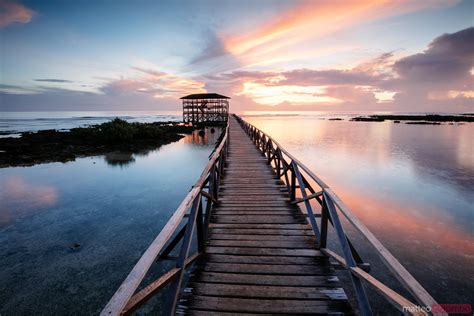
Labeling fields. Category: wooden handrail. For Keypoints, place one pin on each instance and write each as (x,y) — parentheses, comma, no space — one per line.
(396,299)
(128,287)
(263,141)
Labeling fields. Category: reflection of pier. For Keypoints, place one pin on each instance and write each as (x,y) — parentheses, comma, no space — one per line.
(205,108)
(207,136)
(253,231)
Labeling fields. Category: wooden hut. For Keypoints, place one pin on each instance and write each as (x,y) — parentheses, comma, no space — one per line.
(205,108)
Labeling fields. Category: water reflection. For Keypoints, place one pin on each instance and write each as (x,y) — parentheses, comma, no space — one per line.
(203,136)
(71,232)
(118,158)
(412,185)
(199,137)
(20,198)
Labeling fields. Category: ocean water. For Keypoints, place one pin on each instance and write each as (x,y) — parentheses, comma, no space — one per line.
(412,185)
(13,123)
(111,206)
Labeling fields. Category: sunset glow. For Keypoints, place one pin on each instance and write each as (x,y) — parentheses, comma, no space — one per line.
(267,56)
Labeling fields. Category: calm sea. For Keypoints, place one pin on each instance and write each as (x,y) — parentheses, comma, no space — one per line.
(412,185)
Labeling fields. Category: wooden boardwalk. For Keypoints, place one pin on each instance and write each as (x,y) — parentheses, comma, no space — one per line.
(260,255)
(250,250)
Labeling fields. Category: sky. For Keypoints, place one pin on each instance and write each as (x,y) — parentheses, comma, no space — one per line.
(351,55)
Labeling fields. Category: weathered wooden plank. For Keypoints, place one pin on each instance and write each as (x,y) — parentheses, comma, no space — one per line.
(263,232)
(252,203)
(289,244)
(253,193)
(263,251)
(266,259)
(268,291)
(262,226)
(254,208)
(247,172)
(262,279)
(257,219)
(253,199)
(249,177)
(254,213)
(313,307)
(271,269)
(194,312)
(300,238)
(255,181)
(271,185)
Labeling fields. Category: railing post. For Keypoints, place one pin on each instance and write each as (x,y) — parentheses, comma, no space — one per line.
(307,204)
(362,300)
(183,254)
(324,225)
(278,160)
(293,183)
(269,152)
(213,193)
(199,227)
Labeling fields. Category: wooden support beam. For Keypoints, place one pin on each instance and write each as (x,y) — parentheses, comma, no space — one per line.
(208,196)
(309,197)
(142,296)
(398,301)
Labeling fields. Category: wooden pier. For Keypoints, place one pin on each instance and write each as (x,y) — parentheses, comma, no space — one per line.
(261,253)
(256,223)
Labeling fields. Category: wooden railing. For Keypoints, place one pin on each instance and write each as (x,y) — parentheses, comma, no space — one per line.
(296,175)
(195,211)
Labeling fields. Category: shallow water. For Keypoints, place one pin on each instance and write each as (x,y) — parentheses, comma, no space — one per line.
(70,233)
(412,185)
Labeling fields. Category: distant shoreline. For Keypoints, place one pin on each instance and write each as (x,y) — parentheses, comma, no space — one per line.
(427,119)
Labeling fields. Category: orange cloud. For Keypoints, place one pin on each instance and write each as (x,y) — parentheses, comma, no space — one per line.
(11,12)
(156,83)
(314,19)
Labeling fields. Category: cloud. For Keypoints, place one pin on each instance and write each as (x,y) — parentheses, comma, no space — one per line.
(440,74)
(214,57)
(152,72)
(13,89)
(214,48)
(443,72)
(147,88)
(54,80)
(12,12)
(311,20)
(437,79)
(448,59)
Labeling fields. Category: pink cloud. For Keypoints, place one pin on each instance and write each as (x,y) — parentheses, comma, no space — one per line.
(12,12)
(282,35)
(439,78)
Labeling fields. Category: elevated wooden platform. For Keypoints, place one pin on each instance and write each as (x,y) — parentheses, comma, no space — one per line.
(260,255)
(250,250)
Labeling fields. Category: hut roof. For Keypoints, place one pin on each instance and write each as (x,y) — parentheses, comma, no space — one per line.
(205,96)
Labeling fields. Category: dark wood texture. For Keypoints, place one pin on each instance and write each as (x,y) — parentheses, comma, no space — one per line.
(261,255)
